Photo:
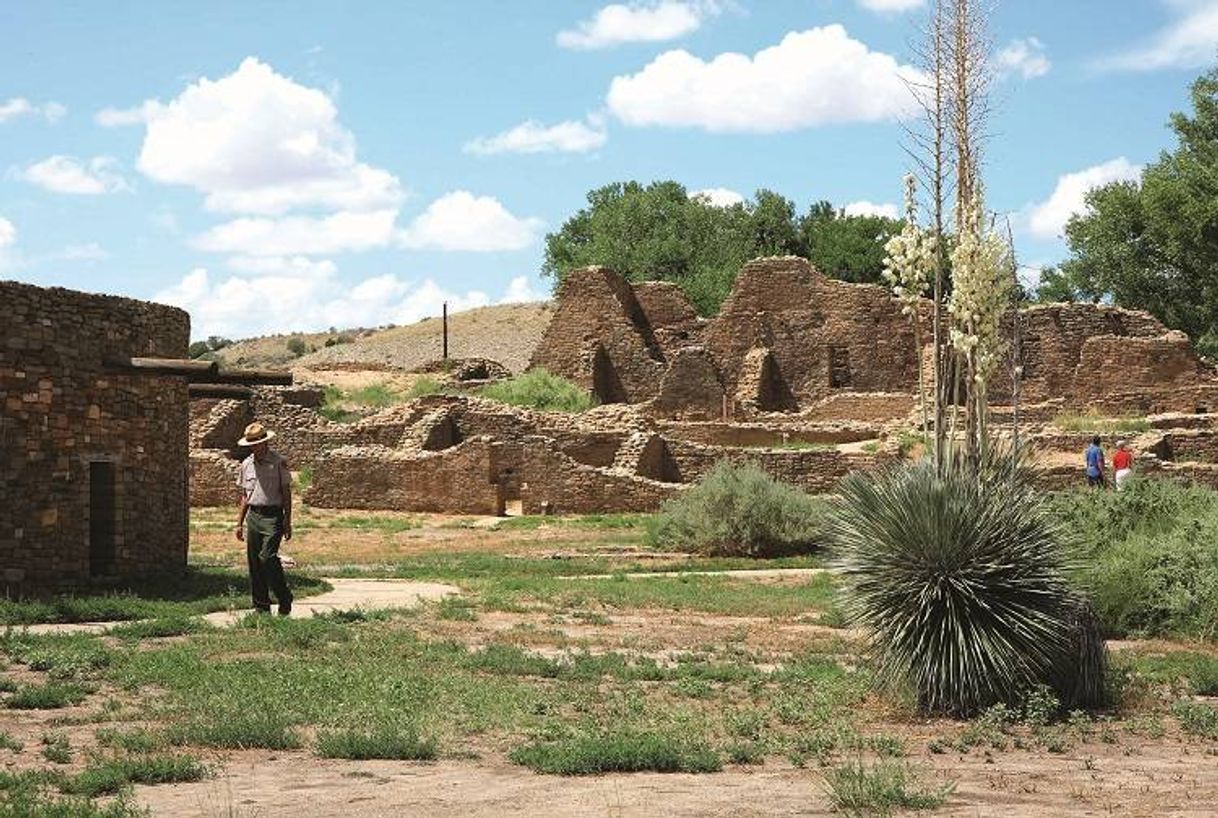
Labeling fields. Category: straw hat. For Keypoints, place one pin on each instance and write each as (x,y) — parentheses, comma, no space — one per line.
(255,433)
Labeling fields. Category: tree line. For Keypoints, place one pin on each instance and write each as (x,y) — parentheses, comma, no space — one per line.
(659,231)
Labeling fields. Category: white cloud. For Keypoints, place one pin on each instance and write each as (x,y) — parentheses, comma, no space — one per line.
(1025,57)
(8,233)
(519,291)
(1190,40)
(462,221)
(1047,219)
(300,235)
(257,142)
(282,265)
(815,77)
(718,196)
(638,22)
(245,305)
(891,6)
(865,208)
(20,106)
(66,174)
(91,251)
(570,136)
(117,117)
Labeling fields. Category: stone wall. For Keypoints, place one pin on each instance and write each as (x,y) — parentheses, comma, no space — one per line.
(69,427)
(601,339)
(458,480)
(213,479)
(816,471)
(553,483)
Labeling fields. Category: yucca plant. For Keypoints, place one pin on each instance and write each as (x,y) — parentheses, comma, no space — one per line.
(959,580)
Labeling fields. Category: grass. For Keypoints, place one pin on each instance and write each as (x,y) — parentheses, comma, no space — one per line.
(1195,672)
(1197,719)
(237,729)
(159,628)
(1093,421)
(48,696)
(856,788)
(7,742)
(108,776)
(197,591)
(389,742)
(133,740)
(618,751)
(539,389)
(31,795)
(56,748)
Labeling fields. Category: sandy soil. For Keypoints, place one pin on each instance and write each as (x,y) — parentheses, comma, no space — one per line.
(1161,779)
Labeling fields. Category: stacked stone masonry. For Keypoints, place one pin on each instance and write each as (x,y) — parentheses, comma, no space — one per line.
(93,461)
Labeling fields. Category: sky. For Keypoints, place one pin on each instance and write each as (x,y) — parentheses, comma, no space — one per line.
(275,167)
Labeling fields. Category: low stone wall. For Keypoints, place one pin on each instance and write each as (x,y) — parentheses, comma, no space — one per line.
(816,471)
(459,480)
(1201,446)
(872,407)
(213,479)
(553,483)
(756,434)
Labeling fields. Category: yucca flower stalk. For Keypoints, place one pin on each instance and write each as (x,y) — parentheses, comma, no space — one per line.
(909,268)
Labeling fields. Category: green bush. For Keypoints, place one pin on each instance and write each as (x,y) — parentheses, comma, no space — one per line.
(859,789)
(297,346)
(739,510)
(961,582)
(538,389)
(397,743)
(621,751)
(1148,555)
(424,386)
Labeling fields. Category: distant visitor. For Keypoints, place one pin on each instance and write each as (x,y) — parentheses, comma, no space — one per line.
(265,517)
(1122,463)
(1094,459)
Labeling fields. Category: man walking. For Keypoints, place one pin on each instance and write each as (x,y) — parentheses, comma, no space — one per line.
(1094,460)
(265,517)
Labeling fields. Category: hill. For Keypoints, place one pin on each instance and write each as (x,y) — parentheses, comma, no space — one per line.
(507,333)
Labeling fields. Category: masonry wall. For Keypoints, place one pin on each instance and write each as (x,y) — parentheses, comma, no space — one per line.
(213,479)
(63,410)
(459,480)
(600,338)
(553,483)
(816,471)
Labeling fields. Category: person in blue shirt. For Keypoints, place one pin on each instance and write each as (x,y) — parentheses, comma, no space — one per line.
(1094,458)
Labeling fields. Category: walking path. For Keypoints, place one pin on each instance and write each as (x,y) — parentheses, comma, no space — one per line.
(345,594)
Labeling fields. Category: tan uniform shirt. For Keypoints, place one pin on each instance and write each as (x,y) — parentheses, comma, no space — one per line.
(265,482)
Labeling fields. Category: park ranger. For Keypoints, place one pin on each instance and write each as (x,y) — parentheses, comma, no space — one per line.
(265,517)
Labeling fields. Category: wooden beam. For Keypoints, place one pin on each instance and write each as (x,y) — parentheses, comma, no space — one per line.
(198,391)
(255,377)
(202,370)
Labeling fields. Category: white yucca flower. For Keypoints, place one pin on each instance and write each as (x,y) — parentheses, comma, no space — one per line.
(981,292)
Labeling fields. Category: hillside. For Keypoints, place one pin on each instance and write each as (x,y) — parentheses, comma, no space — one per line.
(507,333)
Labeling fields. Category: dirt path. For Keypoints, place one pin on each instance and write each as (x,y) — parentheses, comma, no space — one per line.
(1156,780)
(346,594)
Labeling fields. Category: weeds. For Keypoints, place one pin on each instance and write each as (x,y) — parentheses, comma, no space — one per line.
(49,696)
(238,731)
(618,751)
(398,743)
(856,788)
(107,776)
(540,389)
(56,748)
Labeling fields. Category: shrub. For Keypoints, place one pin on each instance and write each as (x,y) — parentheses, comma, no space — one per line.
(622,751)
(961,582)
(397,743)
(49,696)
(539,389)
(858,789)
(297,346)
(1148,555)
(424,386)
(110,775)
(739,510)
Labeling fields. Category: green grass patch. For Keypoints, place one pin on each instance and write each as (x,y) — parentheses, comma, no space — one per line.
(237,730)
(133,740)
(48,696)
(197,591)
(108,776)
(1197,719)
(1196,672)
(539,389)
(856,788)
(609,522)
(1092,421)
(423,387)
(34,795)
(56,748)
(618,751)
(398,743)
(159,628)
(389,525)
(7,742)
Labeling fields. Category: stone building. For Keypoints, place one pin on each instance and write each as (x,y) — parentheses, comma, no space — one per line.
(93,459)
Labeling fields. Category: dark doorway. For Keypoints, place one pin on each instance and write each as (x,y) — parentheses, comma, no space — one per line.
(839,367)
(101,518)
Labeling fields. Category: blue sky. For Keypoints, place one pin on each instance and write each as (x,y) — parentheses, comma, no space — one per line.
(277,166)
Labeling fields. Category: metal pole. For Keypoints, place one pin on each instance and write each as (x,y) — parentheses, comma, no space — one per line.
(446,330)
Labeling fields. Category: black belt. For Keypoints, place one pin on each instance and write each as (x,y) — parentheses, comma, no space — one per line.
(266,509)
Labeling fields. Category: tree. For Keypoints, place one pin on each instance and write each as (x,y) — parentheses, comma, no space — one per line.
(198,349)
(1154,245)
(1055,286)
(849,248)
(656,231)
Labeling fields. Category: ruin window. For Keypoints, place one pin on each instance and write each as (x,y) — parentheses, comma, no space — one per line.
(102,515)
(839,367)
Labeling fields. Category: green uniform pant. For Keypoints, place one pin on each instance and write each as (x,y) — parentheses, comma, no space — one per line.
(263,532)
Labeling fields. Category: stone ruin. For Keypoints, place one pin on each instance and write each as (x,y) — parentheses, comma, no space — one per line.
(809,377)
(92,460)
